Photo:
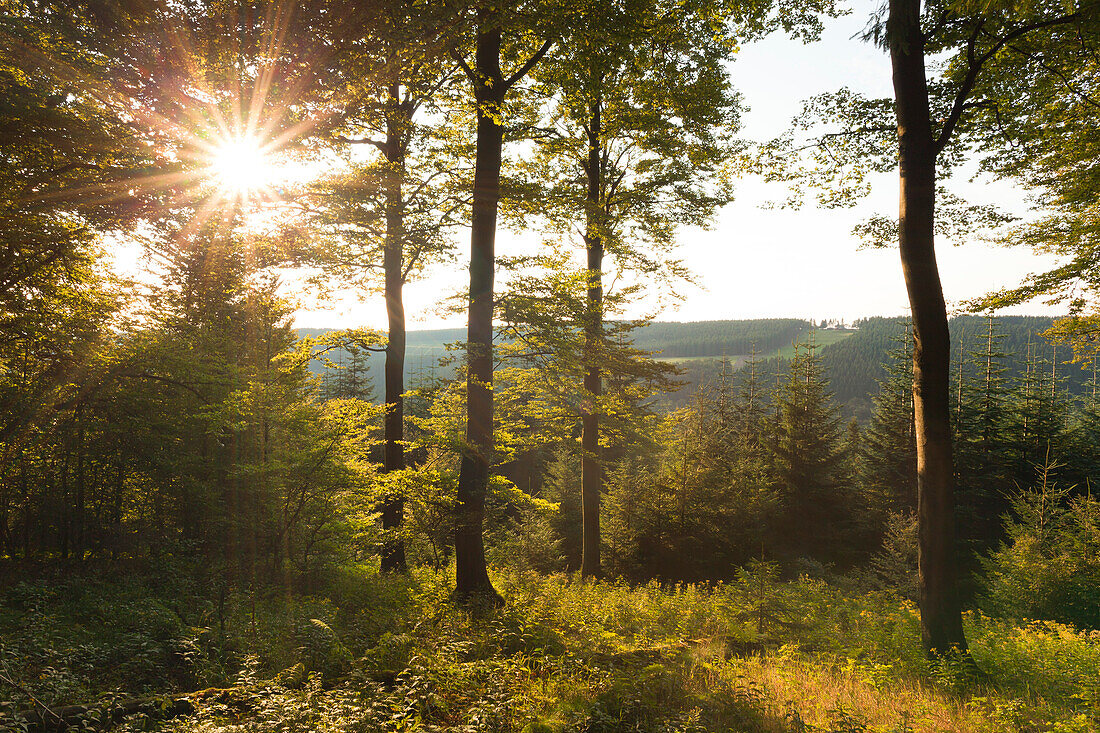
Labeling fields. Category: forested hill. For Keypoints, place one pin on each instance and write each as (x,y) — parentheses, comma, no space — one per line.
(854,358)
(856,364)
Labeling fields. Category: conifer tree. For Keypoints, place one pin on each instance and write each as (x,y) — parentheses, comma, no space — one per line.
(351,379)
(1039,429)
(561,487)
(738,441)
(810,462)
(753,433)
(982,448)
(1082,438)
(888,450)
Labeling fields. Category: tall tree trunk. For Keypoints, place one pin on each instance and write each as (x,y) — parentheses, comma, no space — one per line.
(941,617)
(80,520)
(65,525)
(393,507)
(472,577)
(591,469)
(116,513)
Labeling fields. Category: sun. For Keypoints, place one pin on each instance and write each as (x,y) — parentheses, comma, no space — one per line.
(242,166)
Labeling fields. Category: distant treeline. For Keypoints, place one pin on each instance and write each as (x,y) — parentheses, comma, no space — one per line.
(854,365)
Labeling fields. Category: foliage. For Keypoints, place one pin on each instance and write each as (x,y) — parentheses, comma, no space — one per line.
(197,428)
(1047,567)
(887,449)
(561,655)
(184,504)
(1041,98)
(812,466)
(895,565)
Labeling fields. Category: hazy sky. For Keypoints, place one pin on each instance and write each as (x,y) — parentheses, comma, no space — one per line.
(757,262)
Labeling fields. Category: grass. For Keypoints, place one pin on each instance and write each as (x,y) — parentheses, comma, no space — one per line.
(385,653)
(736,361)
(822,337)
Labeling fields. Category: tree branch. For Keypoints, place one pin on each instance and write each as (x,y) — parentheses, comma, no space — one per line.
(470,74)
(529,64)
(380,145)
(975,64)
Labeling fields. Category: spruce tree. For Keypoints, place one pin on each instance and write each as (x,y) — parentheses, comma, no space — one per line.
(983,451)
(1082,448)
(561,487)
(888,450)
(1040,421)
(810,462)
(753,465)
(351,380)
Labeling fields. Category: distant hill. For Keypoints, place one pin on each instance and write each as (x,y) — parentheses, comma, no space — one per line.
(717,338)
(855,365)
(423,352)
(853,357)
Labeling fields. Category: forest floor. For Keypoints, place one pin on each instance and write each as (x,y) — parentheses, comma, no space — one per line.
(376,653)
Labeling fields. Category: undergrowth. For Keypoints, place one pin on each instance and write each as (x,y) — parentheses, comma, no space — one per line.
(382,653)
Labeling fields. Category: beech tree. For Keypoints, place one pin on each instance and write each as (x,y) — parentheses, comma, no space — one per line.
(490,86)
(923,132)
(1039,123)
(641,124)
(391,210)
(78,161)
(641,117)
(974,39)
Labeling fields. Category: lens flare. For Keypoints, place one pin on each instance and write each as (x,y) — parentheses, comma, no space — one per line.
(241,166)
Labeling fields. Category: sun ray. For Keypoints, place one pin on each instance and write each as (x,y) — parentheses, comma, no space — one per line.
(218,148)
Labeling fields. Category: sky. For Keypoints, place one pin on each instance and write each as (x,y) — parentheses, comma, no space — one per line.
(757,262)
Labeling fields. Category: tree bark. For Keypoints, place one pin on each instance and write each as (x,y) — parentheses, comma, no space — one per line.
(472,577)
(591,469)
(80,520)
(393,507)
(941,616)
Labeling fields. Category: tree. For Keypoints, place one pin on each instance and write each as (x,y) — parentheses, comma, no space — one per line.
(641,119)
(974,39)
(810,463)
(923,132)
(545,353)
(396,209)
(1047,565)
(351,380)
(76,159)
(982,446)
(1039,123)
(888,449)
(72,169)
(490,87)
